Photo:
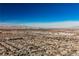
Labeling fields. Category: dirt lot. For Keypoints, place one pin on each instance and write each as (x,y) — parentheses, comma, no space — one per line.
(39,42)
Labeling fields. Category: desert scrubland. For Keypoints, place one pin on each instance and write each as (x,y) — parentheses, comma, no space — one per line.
(54,42)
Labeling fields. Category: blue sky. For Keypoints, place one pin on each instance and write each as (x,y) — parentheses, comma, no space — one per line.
(38,13)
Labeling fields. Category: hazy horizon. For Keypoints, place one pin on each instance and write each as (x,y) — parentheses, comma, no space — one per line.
(63,24)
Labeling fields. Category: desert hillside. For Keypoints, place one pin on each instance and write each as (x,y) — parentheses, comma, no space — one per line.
(37,42)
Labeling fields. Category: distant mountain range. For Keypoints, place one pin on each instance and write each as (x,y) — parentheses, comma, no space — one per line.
(13,27)
(18,27)
(29,27)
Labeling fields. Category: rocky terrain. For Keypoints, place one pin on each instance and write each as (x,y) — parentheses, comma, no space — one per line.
(29,42)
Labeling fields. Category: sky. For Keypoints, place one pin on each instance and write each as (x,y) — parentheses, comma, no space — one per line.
(40,14)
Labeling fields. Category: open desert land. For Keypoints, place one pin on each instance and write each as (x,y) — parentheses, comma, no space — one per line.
(39,42)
